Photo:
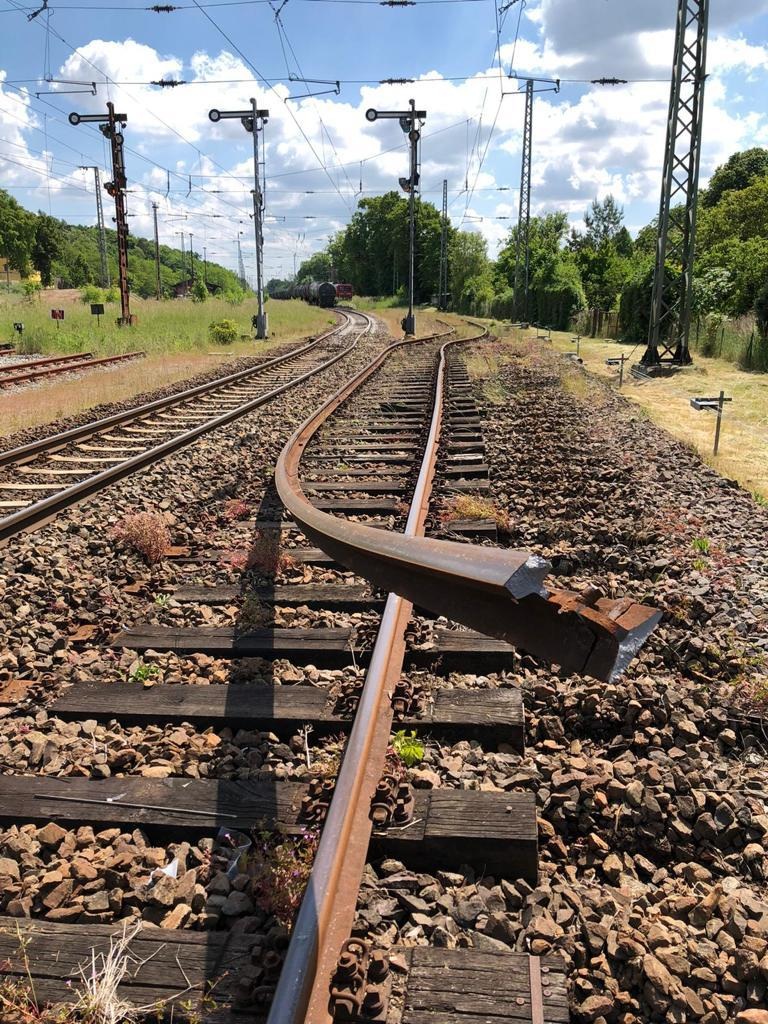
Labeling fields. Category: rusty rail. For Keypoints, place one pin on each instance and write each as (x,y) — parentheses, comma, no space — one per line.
(477,586)
(497,591)
(21,378)
(36,363)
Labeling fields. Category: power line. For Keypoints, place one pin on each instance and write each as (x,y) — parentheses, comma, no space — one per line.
(173,8)
(272,89)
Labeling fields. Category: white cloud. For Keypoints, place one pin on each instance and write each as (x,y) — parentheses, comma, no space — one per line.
(588,141)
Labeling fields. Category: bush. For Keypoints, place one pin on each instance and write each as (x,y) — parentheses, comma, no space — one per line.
(222,332)
(112,294)
(144,532)
(199,291)
(234,296)
(30,289)
(90,293)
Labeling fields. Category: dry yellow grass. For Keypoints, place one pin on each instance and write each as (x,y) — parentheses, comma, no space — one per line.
(743,452)
(59,398)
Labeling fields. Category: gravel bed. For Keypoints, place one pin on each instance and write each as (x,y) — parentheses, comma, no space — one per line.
(49,746)
(110,408)
(652,793)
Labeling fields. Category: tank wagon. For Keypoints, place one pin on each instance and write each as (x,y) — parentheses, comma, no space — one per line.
(317,293)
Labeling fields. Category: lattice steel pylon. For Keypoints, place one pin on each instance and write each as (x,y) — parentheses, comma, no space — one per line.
(442,291)
(522,249)
(676,238)
(103,264)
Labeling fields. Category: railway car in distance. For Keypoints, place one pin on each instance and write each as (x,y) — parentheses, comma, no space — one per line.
(344,291)
(322,293)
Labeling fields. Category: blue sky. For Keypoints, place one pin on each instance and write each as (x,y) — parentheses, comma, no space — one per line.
(588,140)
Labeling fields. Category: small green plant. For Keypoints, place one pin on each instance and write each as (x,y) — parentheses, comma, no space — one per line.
(699,564)
(161,600)
(280,868)
(143,673)
(407,747)
(90,293)
(700,544)
(223,332)
(760,499)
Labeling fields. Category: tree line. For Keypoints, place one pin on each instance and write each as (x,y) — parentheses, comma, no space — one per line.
(68,254)
(572,269)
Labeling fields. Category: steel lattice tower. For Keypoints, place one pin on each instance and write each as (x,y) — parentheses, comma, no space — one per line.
(676,240)
(522,249)
(104,266)
(442,296)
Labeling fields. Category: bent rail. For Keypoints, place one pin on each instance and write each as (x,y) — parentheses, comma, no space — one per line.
(498,592)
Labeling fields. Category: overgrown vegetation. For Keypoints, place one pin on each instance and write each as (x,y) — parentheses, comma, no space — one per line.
(144,532)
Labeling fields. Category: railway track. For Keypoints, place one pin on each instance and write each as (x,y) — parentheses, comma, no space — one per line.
(55,365)
(40,479)
(356,481)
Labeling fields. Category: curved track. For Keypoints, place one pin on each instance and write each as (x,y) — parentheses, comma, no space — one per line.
(374,445)
(499,591)
(70,466)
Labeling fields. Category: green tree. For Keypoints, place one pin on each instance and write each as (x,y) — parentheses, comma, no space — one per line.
(471,278)
(600,251)
(371,253)
(545,240)
(603,221)
(46,246)
(80,273)
(316,268)
(738,172)
(199,291)
(17,232)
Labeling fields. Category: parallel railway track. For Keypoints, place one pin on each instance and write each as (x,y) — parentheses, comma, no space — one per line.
(70,466)
(355,480)
(32,371)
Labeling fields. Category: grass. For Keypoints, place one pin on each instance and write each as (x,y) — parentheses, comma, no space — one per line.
(173,325)
(174,334)
(744,438)
(470,507)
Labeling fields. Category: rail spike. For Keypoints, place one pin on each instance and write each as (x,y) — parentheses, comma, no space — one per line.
(498,591)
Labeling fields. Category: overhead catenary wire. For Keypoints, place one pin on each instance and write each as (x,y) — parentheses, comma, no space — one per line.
(272,88)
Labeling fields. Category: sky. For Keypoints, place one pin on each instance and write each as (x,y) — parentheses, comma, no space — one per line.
(320,154)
